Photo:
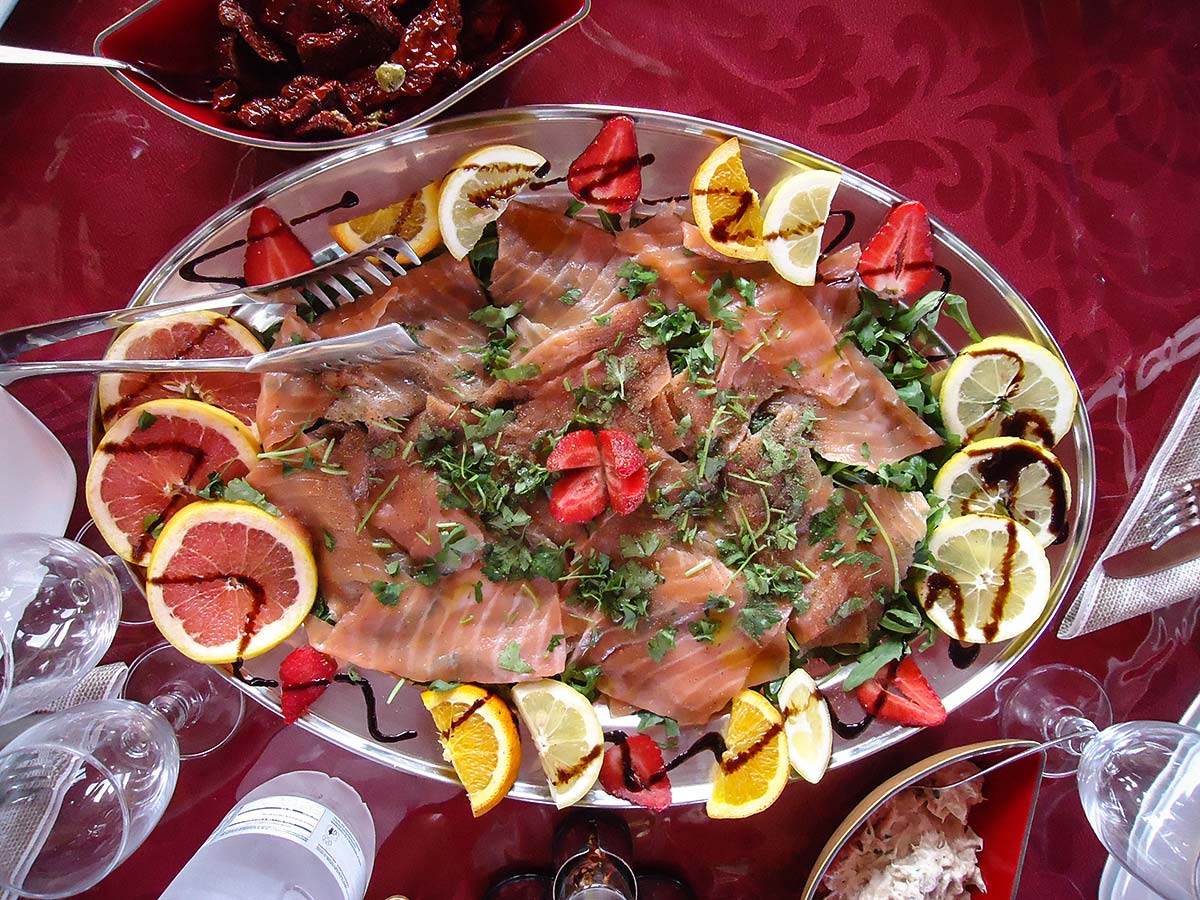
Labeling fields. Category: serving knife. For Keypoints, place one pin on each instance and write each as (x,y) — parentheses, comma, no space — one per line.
(1146,559)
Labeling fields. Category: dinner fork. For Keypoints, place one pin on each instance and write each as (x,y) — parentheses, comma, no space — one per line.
(1173,512)
(360,349)
(189,88)
(375,266)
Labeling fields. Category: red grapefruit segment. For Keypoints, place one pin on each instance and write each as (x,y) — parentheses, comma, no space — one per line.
(191,335)
(152,463)
(228,580)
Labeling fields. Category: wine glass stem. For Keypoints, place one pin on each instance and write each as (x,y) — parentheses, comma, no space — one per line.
(1074,730)
(178,704)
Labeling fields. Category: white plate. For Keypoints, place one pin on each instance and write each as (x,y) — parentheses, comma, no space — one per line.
(37,480)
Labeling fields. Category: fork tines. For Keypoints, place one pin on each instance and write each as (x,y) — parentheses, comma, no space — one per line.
(367,270)
(1175,511)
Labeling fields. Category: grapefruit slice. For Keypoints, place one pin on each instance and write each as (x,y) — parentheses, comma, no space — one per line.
(229,580)
(190,335)
(153,461)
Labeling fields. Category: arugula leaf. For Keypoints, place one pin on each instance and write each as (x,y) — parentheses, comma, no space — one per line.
(510,659)
(438,685)
(956,308)
(483,255)
(321,610)
(872,661)
(153,524)
(610,222)
(573,208)
(648,720)
(241,491)
(496,317)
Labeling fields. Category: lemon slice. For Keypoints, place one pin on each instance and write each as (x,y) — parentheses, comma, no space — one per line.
(794,215)
(567,734)
(479,738)
(754,769)
(806,726)
(414,218)
(478,189)
(991,580)
(1009,477)
(1008,386)
(229,580)
(725,206)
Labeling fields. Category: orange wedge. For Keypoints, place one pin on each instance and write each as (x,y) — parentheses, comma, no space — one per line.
(414,218)
(754,768)
(726,207)
(479,738)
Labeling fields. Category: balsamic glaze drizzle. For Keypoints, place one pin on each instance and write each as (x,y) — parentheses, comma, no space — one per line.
(847,227)
(373,711)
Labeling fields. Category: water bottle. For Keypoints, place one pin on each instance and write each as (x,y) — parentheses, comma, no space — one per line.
(299,836)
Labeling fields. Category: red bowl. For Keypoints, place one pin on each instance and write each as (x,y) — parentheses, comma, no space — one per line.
(181,36)
(1003,819)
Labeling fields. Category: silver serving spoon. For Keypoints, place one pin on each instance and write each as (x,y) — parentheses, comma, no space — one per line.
(189,88)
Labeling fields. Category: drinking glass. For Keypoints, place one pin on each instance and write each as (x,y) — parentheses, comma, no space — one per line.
(79,792)
(1139,781)
(134,608)
(59,608)
(202,708)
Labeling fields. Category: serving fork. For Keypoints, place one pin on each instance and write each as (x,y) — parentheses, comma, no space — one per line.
(375,266)
(360,349)
(1175,510)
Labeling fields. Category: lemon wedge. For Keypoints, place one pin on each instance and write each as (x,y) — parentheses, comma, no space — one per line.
(478,190)
(794,215)
(806,725)
(568,736)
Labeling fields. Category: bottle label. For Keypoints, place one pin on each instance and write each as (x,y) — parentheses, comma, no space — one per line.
(310,824)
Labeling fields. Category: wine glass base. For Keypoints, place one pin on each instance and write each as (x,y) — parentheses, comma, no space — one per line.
(204,709)
(1038,705)
(134,609)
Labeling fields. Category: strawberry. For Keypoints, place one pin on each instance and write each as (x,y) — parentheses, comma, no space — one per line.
(578,496)
(627,494)
(608,173)
(621,454)
(628,769)
(898,260)
(303,676)
(576,450)
(904,696)
(273,252)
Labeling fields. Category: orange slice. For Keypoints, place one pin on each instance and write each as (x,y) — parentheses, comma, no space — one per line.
(229,580)
(479,738)
(414,218)
(754,769)
(153,461)
(190,335)
(726,207)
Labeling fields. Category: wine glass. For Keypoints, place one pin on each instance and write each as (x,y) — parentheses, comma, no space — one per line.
(79,791)
(202,708)
(134,608)
(1139,781)
(59,608)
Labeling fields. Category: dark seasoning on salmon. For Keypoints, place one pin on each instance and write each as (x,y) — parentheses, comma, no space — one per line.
(785,505)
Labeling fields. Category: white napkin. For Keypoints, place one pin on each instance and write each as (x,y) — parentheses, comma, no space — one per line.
(1105,601)
(24,829)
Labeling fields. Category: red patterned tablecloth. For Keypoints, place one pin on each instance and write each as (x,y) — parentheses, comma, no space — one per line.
(1057,138)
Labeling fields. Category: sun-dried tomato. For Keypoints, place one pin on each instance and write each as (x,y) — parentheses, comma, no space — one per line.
(430,45)
(378,14)
(231,14)
(346,48)
(293,19)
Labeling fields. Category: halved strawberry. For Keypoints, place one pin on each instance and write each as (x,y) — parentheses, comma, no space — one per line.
(898,260)
(903,696)
(578,496)
(304,675)
(627,494)
(272,250)
(621,454)
(629,769)
(608,173)
(576,450)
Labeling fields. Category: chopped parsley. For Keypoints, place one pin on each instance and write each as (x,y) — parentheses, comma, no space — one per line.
(510,659)
(241,491)
(638,279)
(620,592)
(571,296)
(687,338)
(662,643)
(388,592)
